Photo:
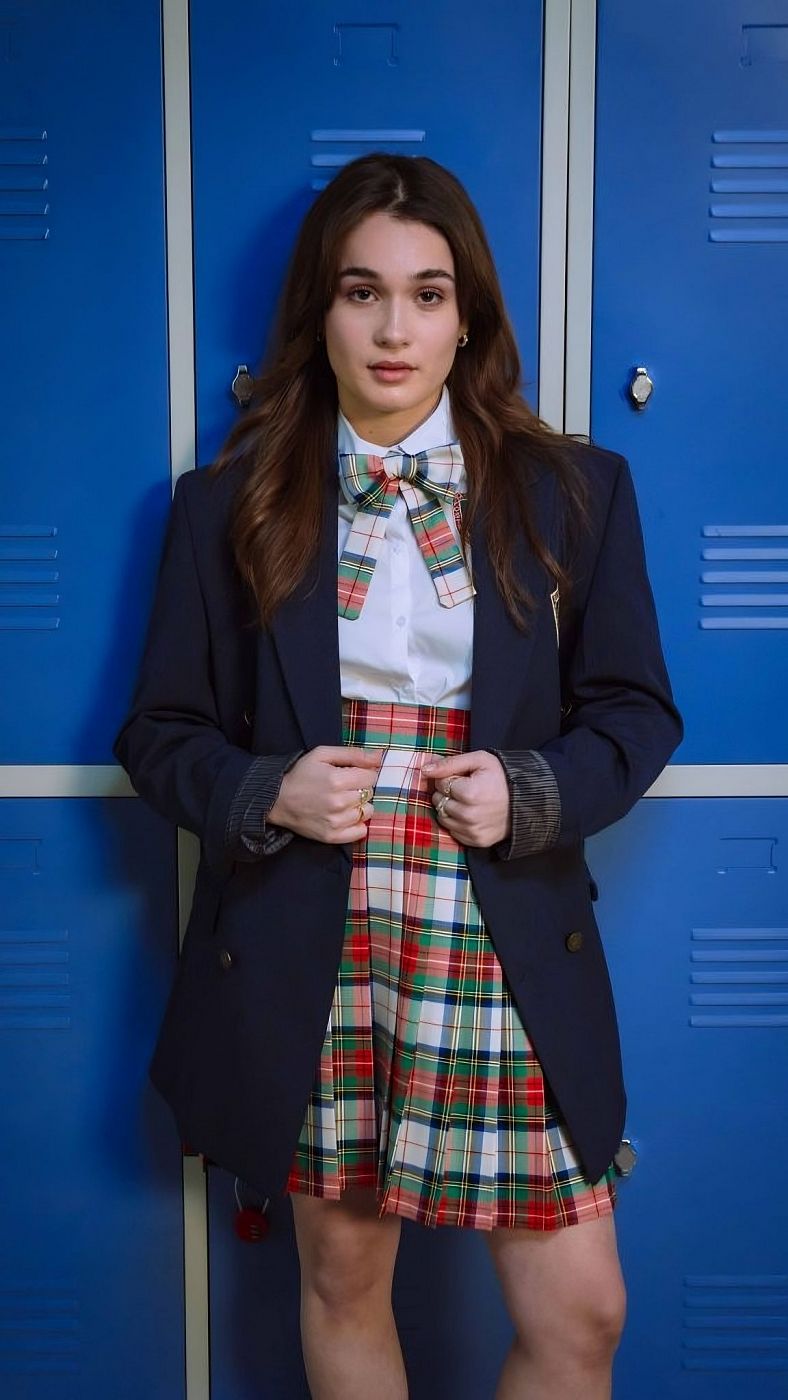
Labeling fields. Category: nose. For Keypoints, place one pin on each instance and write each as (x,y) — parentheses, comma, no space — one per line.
(391,328)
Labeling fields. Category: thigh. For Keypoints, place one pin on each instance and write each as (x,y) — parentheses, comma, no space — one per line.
(550,1276)
(344,1244)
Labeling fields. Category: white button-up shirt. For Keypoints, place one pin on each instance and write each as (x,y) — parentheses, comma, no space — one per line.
(405,645)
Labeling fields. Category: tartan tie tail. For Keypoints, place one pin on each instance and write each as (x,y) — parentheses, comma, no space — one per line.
(427,481)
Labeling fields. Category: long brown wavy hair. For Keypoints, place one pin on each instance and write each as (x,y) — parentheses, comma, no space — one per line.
(287,436)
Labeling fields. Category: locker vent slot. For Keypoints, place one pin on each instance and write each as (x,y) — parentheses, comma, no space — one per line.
(744,978)
(28,578)
(758,162)
(760,596)
(35,981)
(41,1328)
(378,137)
(24,166)
(735,1322)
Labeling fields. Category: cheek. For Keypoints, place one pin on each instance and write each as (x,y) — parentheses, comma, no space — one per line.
(444,337)
(343,338)
(446,349)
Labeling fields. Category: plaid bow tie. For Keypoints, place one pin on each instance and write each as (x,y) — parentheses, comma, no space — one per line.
(426,481)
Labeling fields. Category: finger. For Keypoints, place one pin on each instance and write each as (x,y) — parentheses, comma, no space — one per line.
(459,789)
(350,780)
(457,765)
(355,757)
(358,830)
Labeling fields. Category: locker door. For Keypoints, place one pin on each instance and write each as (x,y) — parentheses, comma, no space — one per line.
(691,286)
(91,1221)
(280,99)
(691,283)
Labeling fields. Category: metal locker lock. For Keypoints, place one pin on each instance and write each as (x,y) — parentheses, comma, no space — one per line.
(242,386)
(625,1158)
(641,387)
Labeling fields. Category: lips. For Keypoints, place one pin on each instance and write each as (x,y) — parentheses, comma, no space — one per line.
(390,364)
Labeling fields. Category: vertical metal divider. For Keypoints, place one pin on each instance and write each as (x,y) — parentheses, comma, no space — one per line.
(553,223)
(580,217)
(181,366)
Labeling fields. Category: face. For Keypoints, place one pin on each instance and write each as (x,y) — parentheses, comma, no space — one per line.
(395,306)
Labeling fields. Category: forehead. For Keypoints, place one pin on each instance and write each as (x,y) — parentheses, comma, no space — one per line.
(395,247)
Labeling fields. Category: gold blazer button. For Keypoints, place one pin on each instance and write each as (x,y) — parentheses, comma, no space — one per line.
(225,958)
(574,941)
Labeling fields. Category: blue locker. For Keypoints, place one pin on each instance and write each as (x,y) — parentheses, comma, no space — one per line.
(693,899)
(282,97)
(83,363)
(91,1228)
(690,278)
(691,283)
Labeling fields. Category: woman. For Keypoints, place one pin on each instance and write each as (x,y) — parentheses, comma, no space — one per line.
(433,611)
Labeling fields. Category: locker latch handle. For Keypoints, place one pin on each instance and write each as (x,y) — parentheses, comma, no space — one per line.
(242,386)
(625,1158)
(641,387)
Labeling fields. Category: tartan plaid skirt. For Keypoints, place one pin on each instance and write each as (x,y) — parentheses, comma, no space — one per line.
(427,1087)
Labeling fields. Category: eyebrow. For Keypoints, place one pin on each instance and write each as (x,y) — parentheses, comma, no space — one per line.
(427,274)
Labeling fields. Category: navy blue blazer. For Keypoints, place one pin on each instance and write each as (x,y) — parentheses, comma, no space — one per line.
(238,1047)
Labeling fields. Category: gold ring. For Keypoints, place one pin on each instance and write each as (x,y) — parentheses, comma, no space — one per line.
(361,811)
(449,782)
(439,806)
(365,795)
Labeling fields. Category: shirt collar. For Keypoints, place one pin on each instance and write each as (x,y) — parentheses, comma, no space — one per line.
(435,431)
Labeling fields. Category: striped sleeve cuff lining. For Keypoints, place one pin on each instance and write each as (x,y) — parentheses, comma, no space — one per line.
(536,803)
(247,834)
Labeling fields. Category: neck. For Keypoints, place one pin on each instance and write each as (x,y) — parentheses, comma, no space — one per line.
(386,429)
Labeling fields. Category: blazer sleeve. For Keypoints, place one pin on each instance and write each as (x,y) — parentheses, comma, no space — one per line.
(171,743)
(248,828)
(620,720)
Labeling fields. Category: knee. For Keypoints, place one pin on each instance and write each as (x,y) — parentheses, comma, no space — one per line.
(346,1262)
(593,1326)
(340,1276)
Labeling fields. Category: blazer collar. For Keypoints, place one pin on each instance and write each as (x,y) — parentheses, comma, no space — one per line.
(306,635)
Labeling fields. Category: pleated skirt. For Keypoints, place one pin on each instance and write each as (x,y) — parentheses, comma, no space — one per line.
(427,1088)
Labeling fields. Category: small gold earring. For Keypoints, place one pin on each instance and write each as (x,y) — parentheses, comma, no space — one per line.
(463,340)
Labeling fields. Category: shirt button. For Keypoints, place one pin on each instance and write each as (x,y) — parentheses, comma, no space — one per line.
(400,622)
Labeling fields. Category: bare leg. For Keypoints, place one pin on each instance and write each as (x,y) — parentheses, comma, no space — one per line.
(348,1333)
(565,1294)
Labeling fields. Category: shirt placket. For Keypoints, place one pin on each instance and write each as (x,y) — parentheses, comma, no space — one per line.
(400,597)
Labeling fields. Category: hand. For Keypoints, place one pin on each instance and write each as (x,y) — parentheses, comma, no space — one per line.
(319,795)
(478,812)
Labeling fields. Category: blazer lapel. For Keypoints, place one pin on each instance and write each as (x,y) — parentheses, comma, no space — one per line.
(305,630)
(501,652)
